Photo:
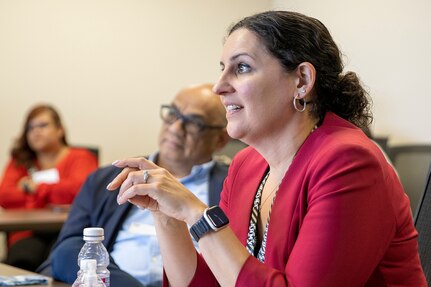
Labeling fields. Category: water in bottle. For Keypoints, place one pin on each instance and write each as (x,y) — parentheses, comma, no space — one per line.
(94,249)
(88,276)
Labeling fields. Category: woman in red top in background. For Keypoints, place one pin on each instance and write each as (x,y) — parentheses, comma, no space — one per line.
(43,170)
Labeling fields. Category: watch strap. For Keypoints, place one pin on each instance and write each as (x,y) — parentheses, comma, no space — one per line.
(199,228)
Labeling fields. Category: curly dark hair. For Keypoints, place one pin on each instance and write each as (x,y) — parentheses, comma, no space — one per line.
(21,151)
(294,38)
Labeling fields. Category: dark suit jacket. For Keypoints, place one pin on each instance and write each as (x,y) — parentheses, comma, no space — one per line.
(95,206)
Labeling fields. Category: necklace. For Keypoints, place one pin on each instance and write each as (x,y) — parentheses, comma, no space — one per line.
(278,185)
(269,195)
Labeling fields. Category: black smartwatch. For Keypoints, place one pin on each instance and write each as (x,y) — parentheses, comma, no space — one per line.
(212,219)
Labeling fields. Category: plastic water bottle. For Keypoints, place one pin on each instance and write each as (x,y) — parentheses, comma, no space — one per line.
(94,249)
(88,276)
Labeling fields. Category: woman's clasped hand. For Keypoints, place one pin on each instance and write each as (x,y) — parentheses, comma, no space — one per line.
(161,191)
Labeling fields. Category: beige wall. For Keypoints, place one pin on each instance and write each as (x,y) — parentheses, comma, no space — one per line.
(388,44)
(108,65)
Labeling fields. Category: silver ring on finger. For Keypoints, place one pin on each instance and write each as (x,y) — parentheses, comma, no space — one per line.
(146,176)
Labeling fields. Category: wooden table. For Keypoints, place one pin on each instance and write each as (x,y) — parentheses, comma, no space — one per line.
(7,270)
(32,219)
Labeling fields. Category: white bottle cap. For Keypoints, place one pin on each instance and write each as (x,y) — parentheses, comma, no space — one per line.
(93,233)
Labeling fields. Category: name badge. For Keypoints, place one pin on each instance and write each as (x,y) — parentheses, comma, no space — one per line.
(46,176)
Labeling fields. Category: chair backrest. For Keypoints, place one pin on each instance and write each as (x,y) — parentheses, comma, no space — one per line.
(423,225)
(231,148)
(382,142)
(411,163)
(93,149)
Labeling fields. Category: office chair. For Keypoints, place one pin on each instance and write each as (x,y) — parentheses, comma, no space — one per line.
(411,163)
(231,148)
(382,142)
(423,225)
(93,149)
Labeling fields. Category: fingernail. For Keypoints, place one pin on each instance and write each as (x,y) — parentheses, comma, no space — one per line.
(109,185)
(115,162)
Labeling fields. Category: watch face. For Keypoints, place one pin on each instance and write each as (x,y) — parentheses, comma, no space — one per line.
(217,217)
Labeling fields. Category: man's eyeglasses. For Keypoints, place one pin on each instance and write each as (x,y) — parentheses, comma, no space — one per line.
(191,124)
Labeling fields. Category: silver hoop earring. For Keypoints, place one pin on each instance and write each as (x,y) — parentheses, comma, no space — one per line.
(304,105)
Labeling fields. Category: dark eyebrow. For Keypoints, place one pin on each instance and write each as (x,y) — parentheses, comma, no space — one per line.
(234,57)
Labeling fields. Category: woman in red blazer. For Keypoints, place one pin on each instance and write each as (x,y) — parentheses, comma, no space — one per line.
(312,201)
(43,170)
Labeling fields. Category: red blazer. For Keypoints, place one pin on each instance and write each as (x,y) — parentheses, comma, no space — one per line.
(73,170)
(340,218)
